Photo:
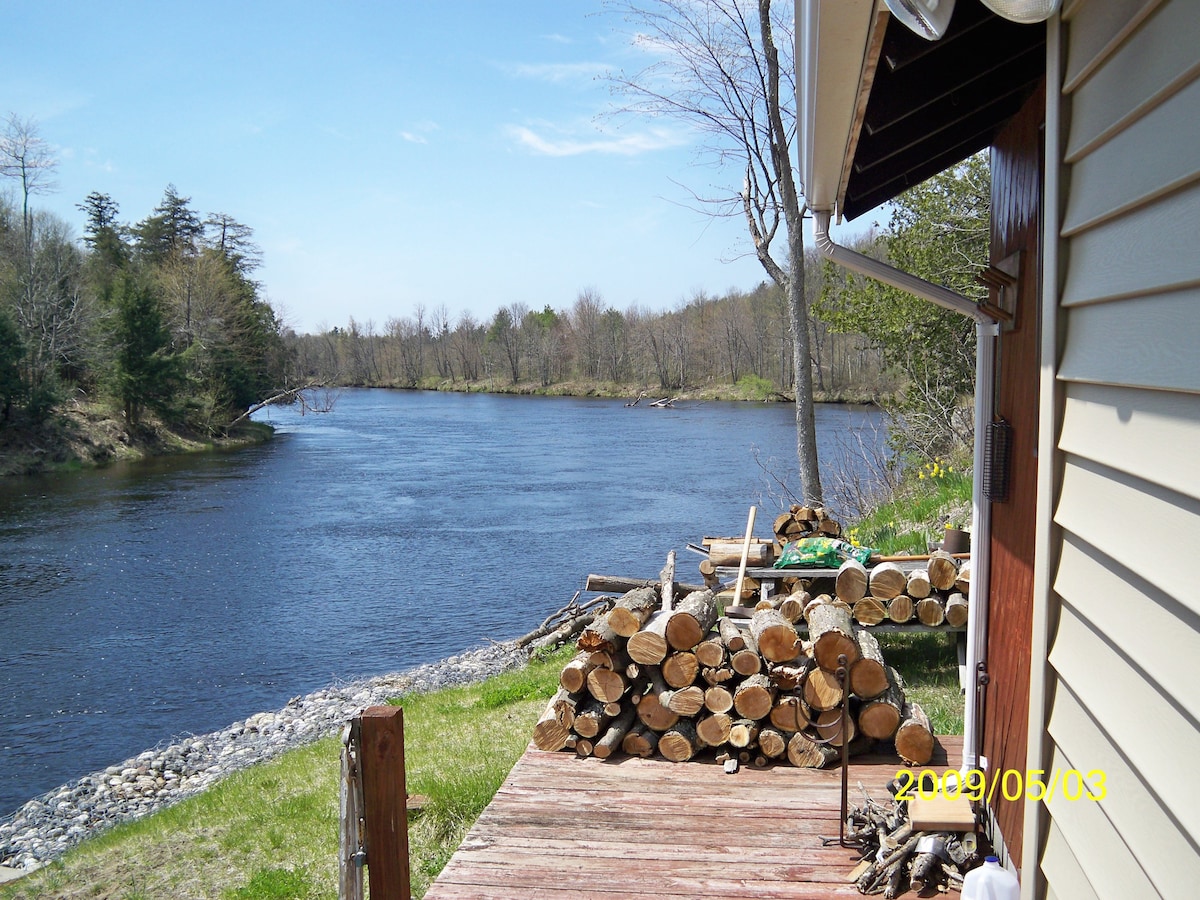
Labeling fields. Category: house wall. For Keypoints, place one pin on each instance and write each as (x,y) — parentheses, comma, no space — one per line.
(1118,687)
(1017,185)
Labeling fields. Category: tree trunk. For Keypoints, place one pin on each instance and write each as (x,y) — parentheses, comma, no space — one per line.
(754,697)
(713,730)
(957,610)
(822,690)
(776,638)
(680,742)
(851,582)
(686,701)
(880,717)
(733,637)
(649,646)
(870,611)
(868,675)
(554,727)
(931,612)
(729,553)
(790,713)
(900,609)
(640,741)
(887,580)
(711,652)
(743,733)
(792,606)
(598,637)
(918,586)
(914,737)
(771,743)
(680,669)
(574,674)
(718,699)
(832,635)
(632,611)
(606,685)
(654,715)
(615,735)
(691,620)
(808,754)
(830,725)
(591,719)
(943,570)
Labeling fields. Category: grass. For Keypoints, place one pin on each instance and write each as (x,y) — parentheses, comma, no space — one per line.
(929,498)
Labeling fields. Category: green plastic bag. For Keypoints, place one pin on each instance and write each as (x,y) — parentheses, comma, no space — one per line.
(821,552)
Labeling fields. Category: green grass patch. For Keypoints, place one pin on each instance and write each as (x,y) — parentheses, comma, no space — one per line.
(928,663)
(927,499)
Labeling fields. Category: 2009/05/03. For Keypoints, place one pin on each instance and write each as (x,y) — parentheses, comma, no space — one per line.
(1012,784)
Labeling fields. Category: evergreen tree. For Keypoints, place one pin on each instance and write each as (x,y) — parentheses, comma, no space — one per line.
(145,370)
(172,229)
(12,350)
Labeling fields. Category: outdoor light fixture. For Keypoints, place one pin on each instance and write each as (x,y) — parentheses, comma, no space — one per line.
(929,18)
(1025,12)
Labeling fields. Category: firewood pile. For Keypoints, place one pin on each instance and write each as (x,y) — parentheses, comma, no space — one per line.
(675,679)
(933,594)
(901,852)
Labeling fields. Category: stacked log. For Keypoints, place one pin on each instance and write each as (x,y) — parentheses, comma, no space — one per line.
(934,595)
(688,681)
(805,521)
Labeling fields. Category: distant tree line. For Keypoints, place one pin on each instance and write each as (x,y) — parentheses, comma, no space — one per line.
(741,338)
(161,315)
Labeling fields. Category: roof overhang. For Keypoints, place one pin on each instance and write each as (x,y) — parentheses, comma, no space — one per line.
(882,109)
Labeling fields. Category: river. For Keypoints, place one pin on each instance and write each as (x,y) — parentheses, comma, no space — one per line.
(143,602)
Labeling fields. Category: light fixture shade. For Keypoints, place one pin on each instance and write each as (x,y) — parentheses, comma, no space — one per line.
(928,18)
(1024,12)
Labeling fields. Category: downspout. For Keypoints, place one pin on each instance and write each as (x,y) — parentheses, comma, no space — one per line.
(986,332)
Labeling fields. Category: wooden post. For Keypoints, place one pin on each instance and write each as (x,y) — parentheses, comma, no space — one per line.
(741,577)
(350,856)
(385,802)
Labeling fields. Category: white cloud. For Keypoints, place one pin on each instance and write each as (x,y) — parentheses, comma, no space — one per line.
(557,73)
(570,145)
(414,138)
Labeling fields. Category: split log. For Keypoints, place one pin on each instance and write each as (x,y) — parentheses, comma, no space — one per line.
(732,636)
(822,690)
(686,701)
(743,733)
(830,725)
(790,713)
(931,612)
(711,652)
(962,583)
(591,720)
(729,553)
(787,677)
(713,729)
(832,635)
(640,741)
(614,737)
(666,580)
(574,674)
(649,645)
(808,754)
(879,717)
(868,676)
(914,737)
(887,581)
(957,610)
(901,609)
(851,582)
(630,613)
(943,570)
(792,606)
(691,620)
(606,684)
(554,727)
(771,743)
(718,699)
(717,676)
(680,669)
(870,611)
(754,697)
(775,636)
(918,586)
(680,742)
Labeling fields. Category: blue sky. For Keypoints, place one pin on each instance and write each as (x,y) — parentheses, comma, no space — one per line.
(386,154)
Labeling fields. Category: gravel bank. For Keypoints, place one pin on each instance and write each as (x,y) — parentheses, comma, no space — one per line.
(48,825)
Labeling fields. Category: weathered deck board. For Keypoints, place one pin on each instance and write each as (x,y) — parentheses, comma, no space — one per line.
(562,827)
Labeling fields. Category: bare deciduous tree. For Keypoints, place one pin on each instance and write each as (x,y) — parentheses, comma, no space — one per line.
(717,66)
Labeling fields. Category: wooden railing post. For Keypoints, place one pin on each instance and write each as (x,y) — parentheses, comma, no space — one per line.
(385,802)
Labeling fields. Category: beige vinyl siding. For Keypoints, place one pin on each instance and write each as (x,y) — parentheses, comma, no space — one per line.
(1123,667)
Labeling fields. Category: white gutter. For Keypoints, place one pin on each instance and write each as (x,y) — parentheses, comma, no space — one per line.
(986,332)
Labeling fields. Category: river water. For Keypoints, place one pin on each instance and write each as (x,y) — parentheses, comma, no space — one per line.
(143,602)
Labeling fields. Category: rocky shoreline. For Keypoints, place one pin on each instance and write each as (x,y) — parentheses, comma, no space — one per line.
(47,826)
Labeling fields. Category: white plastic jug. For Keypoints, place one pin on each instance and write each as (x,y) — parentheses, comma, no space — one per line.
(991,881)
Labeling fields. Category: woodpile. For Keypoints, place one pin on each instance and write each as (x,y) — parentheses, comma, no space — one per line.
(935,593)
(684,681)
(805,521)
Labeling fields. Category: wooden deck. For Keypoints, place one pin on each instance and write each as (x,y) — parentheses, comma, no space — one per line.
(562,827)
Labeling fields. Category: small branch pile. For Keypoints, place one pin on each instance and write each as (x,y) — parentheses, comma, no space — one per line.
(680,680)
(896,858)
